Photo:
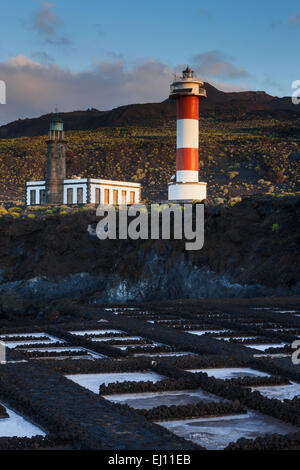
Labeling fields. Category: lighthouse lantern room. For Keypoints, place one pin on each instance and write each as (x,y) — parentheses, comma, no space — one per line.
(187,91)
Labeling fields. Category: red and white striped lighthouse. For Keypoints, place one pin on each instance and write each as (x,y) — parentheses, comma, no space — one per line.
(187,91)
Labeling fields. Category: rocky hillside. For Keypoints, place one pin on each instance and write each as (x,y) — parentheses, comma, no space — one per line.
(219,105)
(237,158)
(250,249)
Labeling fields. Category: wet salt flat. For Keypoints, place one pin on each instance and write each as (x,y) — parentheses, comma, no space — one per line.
(287,311)
(169,321)
(17,426)
(119,339)
(167,354)
(238,338)
(121,309)
(15,344)
(93,381)
(272,356)
(25,335)
(203,332)
(62,349)
(262,308)
(151,400)
(138,345)
(30,342)
(281,392)
(71,349)
(231,372)
(263,347)
(216,433)
(94,332)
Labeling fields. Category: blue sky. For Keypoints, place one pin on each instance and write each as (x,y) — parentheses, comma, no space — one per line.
(104,54)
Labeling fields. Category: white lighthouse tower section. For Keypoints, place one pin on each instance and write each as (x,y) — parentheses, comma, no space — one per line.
(187,91)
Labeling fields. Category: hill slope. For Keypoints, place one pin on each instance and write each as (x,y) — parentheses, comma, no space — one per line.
(219,105)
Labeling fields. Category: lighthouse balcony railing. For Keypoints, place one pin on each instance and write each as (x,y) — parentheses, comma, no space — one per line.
(186,91)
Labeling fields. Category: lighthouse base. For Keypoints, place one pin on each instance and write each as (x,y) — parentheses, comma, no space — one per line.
(187,191)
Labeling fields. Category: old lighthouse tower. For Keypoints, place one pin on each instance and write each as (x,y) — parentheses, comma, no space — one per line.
(56,162)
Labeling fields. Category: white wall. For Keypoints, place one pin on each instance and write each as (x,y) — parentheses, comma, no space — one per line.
(75,187)
(75,184)
(111,189)
(37,194)
(187,192)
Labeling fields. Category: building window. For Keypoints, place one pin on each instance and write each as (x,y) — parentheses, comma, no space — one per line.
(132,197)
(116,196)
(79,195)
(97,195)
(106,196)
(70,196)
(42,196)
(32,197)
(124,197)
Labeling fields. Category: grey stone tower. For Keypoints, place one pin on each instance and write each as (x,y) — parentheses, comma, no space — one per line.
(56,162)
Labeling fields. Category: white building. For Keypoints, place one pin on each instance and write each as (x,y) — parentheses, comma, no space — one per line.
(56,189)
(87,191)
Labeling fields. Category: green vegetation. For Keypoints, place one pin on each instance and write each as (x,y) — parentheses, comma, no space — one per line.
(275,228)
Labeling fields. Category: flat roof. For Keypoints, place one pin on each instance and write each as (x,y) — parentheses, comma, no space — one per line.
(89,180)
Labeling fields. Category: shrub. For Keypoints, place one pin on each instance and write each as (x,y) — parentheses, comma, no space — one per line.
(233,174)
(35,208)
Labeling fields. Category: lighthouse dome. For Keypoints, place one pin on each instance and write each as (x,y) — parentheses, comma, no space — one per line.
(56,123)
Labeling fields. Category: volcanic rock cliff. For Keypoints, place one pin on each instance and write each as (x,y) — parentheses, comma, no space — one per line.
(251,249)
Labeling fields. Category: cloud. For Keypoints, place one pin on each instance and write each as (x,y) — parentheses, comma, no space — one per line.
(34,89)
(215,64)
(47,25)
(294,19)
(21,61)
(43,57)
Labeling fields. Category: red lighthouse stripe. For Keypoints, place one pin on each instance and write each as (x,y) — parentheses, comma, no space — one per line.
(187,159)
(188,107)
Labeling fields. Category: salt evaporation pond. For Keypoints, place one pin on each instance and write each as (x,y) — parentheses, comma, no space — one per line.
(216,433)
(117,339)
(167,354)
(94,332)
(137,345)
(281,392)
(263,347)
(151,400)
(93,381)
(287,311)
(203,332)
(26,335)
(71,349)
(17,426)
(29,342)
(231,372)
(237,338)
